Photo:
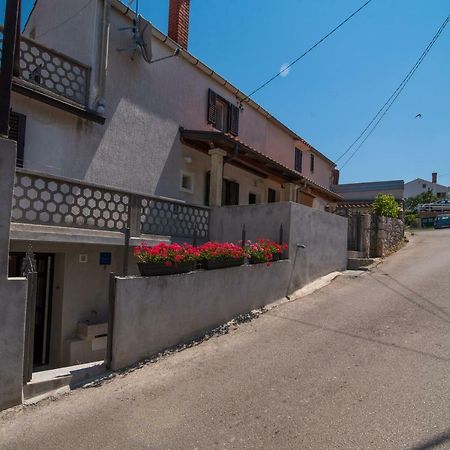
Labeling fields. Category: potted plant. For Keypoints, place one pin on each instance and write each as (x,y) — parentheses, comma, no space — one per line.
(216,255)
(264,251)
(166,259)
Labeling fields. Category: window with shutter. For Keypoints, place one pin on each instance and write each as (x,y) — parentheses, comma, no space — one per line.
(17,124)
(312,163)
(298,160)
(222,114)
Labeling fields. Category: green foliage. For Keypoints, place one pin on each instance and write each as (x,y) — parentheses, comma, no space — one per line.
(425,197)
(411,220)
(385,205)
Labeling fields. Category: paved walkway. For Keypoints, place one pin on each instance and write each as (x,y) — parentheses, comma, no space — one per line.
(362,364)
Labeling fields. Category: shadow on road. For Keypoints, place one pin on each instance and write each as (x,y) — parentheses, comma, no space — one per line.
(433,442)
(364,338)
(411,300)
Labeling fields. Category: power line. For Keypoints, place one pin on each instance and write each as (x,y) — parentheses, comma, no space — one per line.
(391,100)
(305,53)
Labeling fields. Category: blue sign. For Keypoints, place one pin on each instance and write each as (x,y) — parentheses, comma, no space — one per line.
(105,258)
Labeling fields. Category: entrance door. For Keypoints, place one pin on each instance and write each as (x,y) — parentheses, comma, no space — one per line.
(44,266)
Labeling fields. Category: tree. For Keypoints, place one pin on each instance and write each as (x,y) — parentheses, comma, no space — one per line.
(425,197)
(385,205)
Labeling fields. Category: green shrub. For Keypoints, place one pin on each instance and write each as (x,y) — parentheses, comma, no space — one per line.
(386,206)
(411,220)
(425,197)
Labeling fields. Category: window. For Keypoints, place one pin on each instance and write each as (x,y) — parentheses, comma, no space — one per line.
(17,124)
(298,161)
(230,193)
(186,182)
(312,164)
(251,198)
(271,195)
(222,114)
(424,186)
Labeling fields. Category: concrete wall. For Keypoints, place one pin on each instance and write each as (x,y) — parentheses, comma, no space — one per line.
(138,148)
(323,234)
(13,292)
(155,313)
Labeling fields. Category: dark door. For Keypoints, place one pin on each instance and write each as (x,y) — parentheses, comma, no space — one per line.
(44,266)
(230,193)
(271,195)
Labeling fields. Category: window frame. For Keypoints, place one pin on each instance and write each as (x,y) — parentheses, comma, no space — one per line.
(232,116)
(184,173)
(298,160)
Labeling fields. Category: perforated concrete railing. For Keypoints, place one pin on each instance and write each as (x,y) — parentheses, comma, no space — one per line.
(46,200)
(53,71)
(168,218)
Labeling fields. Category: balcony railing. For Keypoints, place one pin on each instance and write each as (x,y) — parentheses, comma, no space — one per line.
(53,71)
(47,200)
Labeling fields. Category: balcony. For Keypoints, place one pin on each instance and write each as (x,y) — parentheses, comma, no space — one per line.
(54,78)
(59,202)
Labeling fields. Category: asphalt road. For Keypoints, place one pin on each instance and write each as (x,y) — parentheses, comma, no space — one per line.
(363,363)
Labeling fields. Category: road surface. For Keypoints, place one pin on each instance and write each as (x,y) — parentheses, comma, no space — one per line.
(364,363)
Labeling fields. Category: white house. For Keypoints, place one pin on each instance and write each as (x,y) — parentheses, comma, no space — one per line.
(112,146)
(419,186)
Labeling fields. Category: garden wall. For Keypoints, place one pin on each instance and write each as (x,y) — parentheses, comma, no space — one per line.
(155,313)
(385,234)
(324,235)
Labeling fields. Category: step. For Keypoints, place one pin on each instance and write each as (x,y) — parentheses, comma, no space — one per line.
(49,381)
(359,263)
(354,254)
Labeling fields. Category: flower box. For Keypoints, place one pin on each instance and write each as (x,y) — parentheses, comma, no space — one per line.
(152,269)
(211,264)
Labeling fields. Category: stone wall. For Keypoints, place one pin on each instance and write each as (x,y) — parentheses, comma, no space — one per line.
(385,234)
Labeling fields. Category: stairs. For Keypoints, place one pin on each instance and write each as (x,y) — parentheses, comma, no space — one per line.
(356,261)
(48,382)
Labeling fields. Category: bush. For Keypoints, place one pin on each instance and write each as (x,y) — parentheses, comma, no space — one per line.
(411,220)
(425,197)
(386,206)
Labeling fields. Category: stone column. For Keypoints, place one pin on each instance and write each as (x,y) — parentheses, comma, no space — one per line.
(7,172)
(290,192)
(366,220)
(216,179)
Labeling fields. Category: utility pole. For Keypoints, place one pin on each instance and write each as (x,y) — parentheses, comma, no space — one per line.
(10,38)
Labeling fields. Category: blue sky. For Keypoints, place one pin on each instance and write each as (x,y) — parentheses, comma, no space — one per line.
(331,95)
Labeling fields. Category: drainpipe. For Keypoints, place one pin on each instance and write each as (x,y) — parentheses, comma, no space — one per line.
(103,66)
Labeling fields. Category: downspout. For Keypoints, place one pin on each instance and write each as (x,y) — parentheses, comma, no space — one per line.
(103,63)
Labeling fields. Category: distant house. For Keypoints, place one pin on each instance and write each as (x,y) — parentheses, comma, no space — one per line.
(419,186)
(360,196)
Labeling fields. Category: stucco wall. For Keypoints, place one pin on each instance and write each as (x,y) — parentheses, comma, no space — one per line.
(155,313)
(138,148)
(323,234)
(13,294)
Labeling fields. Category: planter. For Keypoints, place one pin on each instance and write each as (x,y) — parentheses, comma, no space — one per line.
(275,257)
(154,269)
(211,264)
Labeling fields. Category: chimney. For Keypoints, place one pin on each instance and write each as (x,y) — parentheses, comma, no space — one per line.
(335,177)
(434,177)
(179,21)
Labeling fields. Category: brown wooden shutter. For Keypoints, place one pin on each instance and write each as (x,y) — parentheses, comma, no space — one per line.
(234,119)
(17,125)
(212,97)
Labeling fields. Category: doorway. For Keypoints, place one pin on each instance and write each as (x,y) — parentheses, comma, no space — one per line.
(44,288)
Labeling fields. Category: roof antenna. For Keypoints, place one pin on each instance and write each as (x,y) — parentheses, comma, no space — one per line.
(142,31)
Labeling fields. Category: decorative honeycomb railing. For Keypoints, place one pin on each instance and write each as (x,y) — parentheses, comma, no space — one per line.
(56,201)
(159,216)
(53,71)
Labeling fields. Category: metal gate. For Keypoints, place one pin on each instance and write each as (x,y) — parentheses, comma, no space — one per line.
(29,270)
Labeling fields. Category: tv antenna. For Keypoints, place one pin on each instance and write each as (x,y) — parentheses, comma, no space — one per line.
(141,31)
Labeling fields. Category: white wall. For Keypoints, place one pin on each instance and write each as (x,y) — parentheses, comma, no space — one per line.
(416,187)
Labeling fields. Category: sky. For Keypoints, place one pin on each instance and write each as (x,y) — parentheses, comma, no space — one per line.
(332,94)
